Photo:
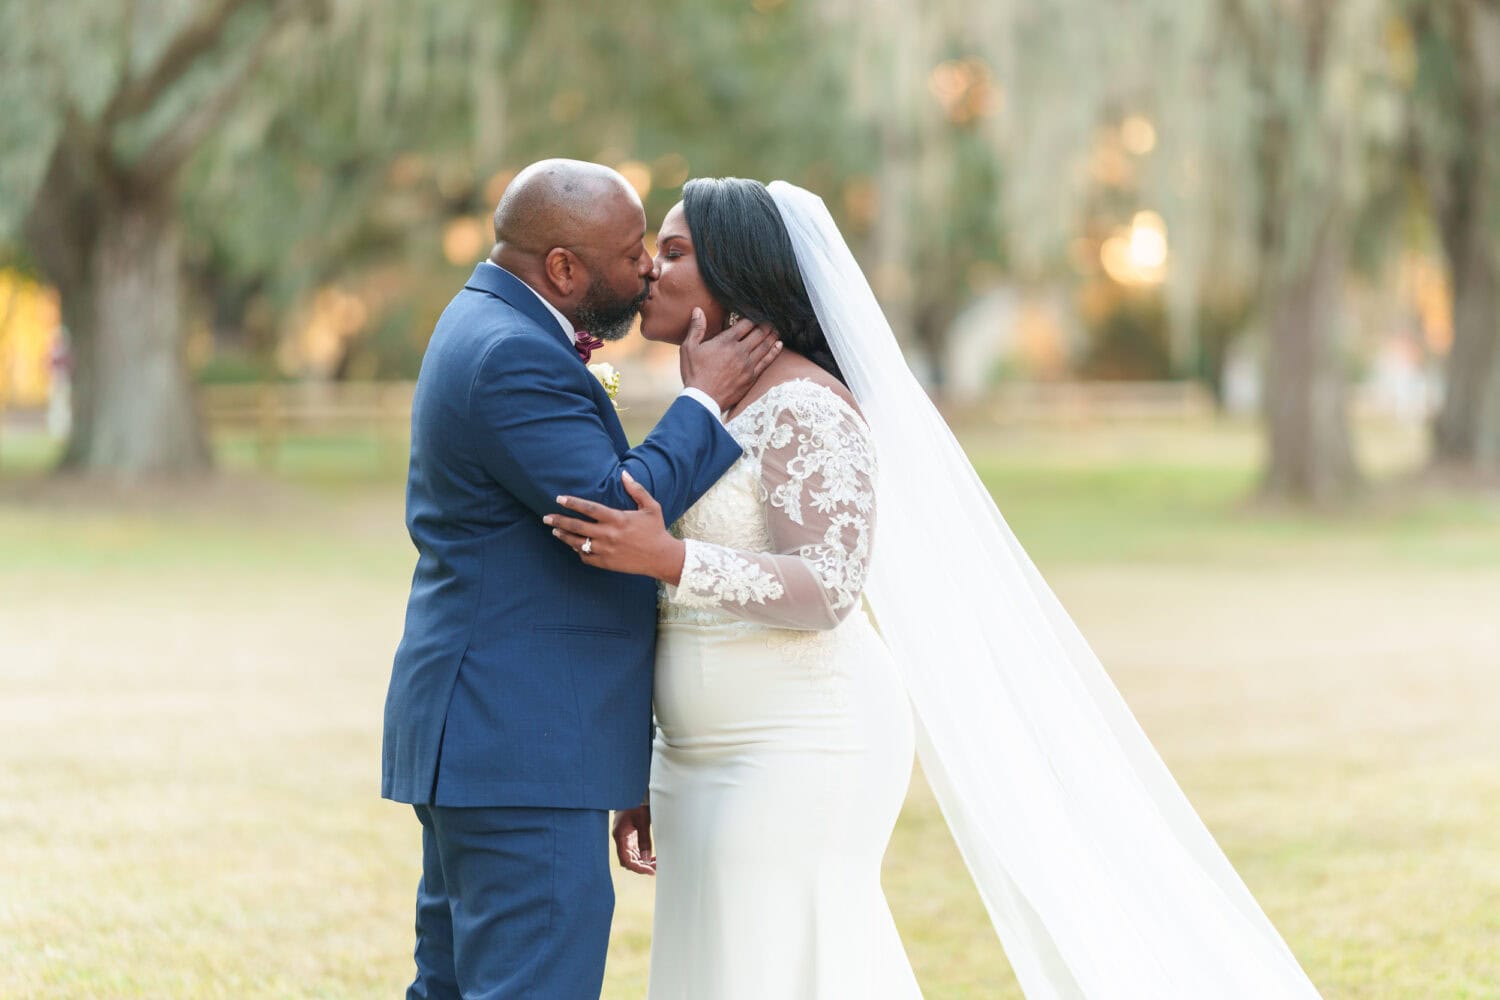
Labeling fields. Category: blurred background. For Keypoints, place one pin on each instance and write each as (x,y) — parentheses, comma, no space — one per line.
(1208,291)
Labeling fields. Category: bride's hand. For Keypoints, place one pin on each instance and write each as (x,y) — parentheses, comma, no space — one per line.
(626,541)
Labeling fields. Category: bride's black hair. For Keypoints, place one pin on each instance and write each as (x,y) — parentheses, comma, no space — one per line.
(746,261)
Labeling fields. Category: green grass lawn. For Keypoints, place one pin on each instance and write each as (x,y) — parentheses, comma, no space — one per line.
(191,682)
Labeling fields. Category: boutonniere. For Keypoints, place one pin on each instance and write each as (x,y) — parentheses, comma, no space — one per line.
(609,378)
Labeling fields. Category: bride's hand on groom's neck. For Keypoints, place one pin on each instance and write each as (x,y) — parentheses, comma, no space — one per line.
(727,365)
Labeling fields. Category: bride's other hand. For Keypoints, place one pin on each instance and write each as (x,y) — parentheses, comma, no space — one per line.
(626,541)
(633,840)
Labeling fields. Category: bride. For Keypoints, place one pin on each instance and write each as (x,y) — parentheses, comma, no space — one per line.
(797,642)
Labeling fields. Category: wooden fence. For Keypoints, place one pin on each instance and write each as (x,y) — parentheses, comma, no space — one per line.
(273,412)
(1081,403)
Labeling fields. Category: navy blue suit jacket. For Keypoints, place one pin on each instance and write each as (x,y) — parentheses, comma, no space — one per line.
(524,677)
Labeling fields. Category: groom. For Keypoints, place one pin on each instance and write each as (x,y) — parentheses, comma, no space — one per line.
(519,709)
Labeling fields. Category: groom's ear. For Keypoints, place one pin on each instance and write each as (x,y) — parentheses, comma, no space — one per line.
(563,270)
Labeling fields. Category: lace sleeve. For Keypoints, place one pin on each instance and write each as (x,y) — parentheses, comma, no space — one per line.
(817,481)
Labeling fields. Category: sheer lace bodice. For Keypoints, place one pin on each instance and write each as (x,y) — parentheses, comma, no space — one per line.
(783,539)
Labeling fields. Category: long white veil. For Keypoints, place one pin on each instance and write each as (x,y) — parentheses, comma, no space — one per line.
(1101,880)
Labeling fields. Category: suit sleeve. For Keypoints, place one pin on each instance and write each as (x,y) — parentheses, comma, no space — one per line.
(541,436)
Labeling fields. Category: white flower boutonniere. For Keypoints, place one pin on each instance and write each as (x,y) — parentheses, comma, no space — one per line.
(609,378)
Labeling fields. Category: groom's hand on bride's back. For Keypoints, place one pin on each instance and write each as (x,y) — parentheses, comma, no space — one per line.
(726,365)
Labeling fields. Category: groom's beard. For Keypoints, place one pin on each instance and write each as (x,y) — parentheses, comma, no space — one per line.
(606,317)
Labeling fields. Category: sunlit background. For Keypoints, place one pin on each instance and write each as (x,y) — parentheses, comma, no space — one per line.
(1208,291)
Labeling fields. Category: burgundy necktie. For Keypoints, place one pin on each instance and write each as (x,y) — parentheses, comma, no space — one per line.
(586,345)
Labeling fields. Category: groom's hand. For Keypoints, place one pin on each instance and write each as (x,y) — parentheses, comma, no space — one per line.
(727,365)
(633,840)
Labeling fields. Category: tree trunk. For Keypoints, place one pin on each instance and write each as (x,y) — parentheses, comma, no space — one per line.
(1487,448)
(134,413)
(1461,432)
(1311,458)
(1473,358)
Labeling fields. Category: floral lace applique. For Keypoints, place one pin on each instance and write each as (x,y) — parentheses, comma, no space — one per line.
(784,538)
(712,575)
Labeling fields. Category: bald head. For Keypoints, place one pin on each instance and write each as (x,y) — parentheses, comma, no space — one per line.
(575,233)
(557,203)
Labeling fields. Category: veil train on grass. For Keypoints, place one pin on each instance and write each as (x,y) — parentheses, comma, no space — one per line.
(1099,877)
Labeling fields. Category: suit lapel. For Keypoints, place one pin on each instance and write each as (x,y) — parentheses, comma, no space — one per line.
(513,291)
(503,285)
(607,412)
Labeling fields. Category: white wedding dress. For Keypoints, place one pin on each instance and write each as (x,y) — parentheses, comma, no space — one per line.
(786,722)
(784,734)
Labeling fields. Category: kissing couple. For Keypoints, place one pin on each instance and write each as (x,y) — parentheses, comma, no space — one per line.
(736,634)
